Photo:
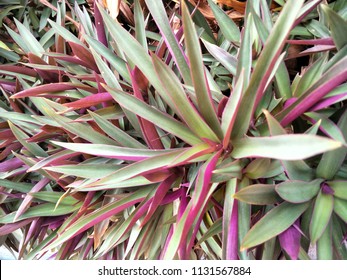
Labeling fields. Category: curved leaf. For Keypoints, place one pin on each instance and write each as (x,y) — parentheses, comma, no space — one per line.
(298,191)
(273,223)
(258,194)
(339,188)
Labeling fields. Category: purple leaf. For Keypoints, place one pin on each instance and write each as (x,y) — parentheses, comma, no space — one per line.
(54,87)
(9,228)
(148,129)
(99,25)
(232,246)
(323,41)
(90,100)
(326,102)
(290,240)
(48,75)
(84,55)
(10,164)
(159,195)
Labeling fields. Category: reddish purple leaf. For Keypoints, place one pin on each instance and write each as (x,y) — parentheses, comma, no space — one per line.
(99,25)
(48,88)
(18,70)
(323,41)
(232,246)
(159,195)
(148,129)
(326,102)
(10,164)
(90,100)
(335,76)
(48,75)
(84,55)
(9,228)
(290,240)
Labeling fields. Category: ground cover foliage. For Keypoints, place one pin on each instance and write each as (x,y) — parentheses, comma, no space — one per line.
(147,129)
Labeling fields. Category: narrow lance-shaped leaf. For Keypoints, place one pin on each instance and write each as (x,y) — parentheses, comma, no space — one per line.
(22,137)
(123,138)
(273,223)
(265,63)
(98,215)
(335,76)
(231,110)
(283,147)
(228,27)
(160,119)
(28,198)
(296,170)
(175,92)
(158,12)
(222,56)
(110,151)
(331,161)
(197,71)
(337,25)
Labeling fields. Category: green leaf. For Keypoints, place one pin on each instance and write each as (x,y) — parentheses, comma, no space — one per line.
(158,12)
(173,90)
(331,162)
(284,147)
(257,168)
(228,27)
(298,191)
(213,230)
(325,244)
(99,215)
(140,29)
(258,194)
(339,188)
(197,71)
(155,116)
(222,56)
(79,129)
(33,45)
(264,66)
(17,186)
(273,223)
(340,208)
(310,76)
(90,171)
(109,77)
(231,110)
(54,197)
(118,63)
(42,210)
(65,33)
(110,151)
(322,210)
(123,138)
(22,137)
(337,25)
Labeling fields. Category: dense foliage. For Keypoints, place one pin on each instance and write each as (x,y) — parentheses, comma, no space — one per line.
(147,129)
